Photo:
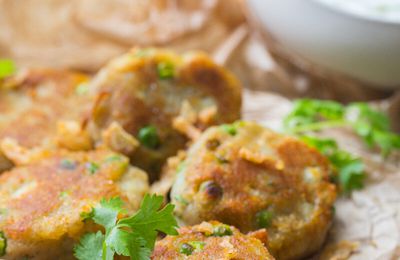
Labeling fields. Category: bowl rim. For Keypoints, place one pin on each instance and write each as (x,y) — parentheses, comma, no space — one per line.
(356,16)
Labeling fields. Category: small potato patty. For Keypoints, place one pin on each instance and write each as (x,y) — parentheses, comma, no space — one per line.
(41,203)
(210,240)
(32,102)
(177,95)
(250,177)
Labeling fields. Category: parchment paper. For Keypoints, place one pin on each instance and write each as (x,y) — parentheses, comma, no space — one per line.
(367,224)
(83,35)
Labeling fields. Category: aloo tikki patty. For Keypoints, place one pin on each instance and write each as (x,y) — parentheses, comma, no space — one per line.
(42,204)
(250,177)
(162,98)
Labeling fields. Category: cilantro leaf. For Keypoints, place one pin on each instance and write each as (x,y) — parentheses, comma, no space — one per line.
(133,236)
(371,125)
(148,220)
(90,247)
(128,244)
(106,215)
(349,170)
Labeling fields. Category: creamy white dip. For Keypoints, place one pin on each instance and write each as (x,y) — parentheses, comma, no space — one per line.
(388,10)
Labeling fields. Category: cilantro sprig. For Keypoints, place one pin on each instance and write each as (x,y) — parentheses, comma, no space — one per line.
(372,126)
(132,236)
(349,169)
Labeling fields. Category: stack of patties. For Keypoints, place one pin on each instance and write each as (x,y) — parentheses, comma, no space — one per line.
(67,142)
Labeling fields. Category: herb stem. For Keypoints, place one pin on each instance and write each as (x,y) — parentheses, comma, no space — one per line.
(104,251)
(318,126)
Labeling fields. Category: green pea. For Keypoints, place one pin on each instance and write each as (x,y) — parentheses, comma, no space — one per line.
(264,218)
(230,129)
(148,137)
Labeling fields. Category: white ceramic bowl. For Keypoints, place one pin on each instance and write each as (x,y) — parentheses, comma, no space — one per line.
(364,48)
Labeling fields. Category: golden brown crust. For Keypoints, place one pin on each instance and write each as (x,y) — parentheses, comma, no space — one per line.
(233,246)
(33,101)
(132,92)
(42,202)
(252,178)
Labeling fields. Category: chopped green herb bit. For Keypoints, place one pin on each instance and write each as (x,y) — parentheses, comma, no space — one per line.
(197,245)
(264,218)
(68,164)
(186,249)
(82,89)
(92,167)
(3,244)
(230,129)
(222,230)
(7,68)
(134,236)
(181,200)
(165,70)
(64,194)
(148,137)
(113,158)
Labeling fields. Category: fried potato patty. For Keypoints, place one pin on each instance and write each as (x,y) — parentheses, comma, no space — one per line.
(250,177)
(210,240)
(33,101)
(178,95)
(41,203)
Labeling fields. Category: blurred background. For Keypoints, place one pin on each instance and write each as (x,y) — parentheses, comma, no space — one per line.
(295,48)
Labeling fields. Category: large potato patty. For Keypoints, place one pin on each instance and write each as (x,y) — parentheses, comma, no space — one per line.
(250,177)
(42,203)
(175,94)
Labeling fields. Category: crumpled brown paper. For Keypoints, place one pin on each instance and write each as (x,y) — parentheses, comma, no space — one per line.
(367,224)
(83,35)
